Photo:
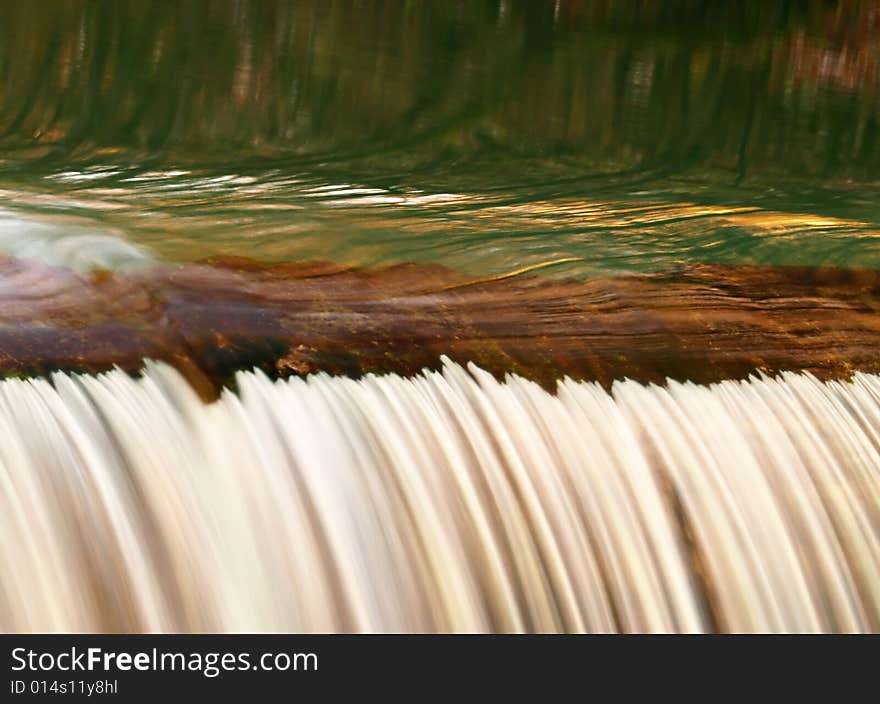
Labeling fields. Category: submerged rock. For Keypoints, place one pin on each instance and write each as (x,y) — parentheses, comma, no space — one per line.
(701,323)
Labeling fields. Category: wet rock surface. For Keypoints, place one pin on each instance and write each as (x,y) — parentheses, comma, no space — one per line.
(701,323)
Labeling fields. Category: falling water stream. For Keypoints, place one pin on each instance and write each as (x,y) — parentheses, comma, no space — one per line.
(444,502)
(579,142)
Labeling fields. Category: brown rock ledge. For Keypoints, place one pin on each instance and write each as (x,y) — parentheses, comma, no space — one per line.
(702,323)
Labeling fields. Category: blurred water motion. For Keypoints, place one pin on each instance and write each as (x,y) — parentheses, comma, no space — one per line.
(444,502)
(483,135)
(613,191)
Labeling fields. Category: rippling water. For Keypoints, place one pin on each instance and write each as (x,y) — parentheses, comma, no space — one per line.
(487,136)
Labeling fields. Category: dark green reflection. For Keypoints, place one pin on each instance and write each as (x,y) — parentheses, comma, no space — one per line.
(328,129)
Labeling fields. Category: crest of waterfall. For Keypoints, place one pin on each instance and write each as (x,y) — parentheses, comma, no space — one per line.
(444,502)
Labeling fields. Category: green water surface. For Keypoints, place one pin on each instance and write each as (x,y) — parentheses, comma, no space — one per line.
(488,136)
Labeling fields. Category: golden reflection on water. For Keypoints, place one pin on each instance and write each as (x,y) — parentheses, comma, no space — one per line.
(179,215)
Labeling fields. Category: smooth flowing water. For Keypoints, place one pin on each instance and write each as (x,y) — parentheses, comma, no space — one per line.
(487,136)
(566,188)
(443,502)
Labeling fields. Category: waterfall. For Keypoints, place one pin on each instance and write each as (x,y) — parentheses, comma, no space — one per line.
(448,501)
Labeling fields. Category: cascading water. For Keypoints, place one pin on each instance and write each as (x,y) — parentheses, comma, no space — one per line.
(447,501)
(347,193)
